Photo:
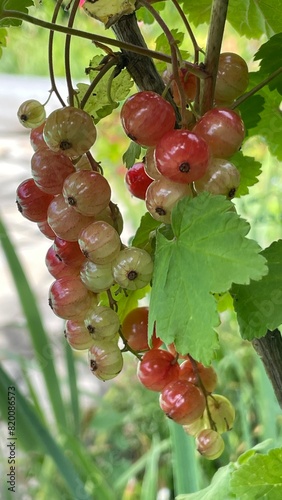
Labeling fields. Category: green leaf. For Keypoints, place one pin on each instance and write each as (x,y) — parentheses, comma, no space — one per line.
(107,93)
(270,55)
(270,124)
(249,169)
(132,153)
(249,18)
(162,45)
(144,15)
(209,251)
(219,487)
(3,43)
(250,111)
(259,304)
(259,477)
(18,5)
(142,236)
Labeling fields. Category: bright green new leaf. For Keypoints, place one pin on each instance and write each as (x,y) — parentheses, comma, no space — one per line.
(259,477)
(249,170)
(249,18)
(142,236)
(259,304)
(107,93)
(15,5)
(209,251)
(132,153)
(219,487)
(162,45)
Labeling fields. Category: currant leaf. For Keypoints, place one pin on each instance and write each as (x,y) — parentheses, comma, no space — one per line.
(250,111)
(249,169)
(256,18)
(19,6)
(258,305)
(132,153)
(144,15)
(209,251)
(141,238)
(99,105)
(126,302)
(219,487)
(259,477)
(270,57)
(162,45)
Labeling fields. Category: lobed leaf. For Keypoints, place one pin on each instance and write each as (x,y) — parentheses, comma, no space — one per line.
(208,252)
(258,305)
(16,5)
(249,169)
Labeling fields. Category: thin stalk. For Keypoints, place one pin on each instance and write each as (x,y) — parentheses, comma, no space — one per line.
(67,54)
(14,14)
(50,54)
(215,35)
(174,59)
(255,89)
(112,62)
(197,49)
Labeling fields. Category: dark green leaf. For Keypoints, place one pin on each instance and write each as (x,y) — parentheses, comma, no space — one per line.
(209,251)
(144,15)
(249,170)
(249,18)
(250,111)
(259,304)
(16,5)
(3,43)
(270,56)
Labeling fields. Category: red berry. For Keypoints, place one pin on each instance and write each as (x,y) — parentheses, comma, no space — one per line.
(69,298)
(182,156)
(182,401)
(157,369)
(32,202)
(146,117)
(137,181)
(223,130)
(206,373)
(135,330)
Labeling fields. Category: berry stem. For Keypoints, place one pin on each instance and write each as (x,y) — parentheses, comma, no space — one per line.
(71,90)
(197,49)
(14,14)
(215,35)
(175,55)
(112,302)
(255,89)
(127,346)
(203,389)
(96,167)
(50,54)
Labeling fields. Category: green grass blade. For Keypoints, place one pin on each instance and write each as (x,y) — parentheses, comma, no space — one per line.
(74,399)
(184,465)
(150,481)
(37,332)
(28,426)
(139,465)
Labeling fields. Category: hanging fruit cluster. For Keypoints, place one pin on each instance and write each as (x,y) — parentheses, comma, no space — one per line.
(69,198)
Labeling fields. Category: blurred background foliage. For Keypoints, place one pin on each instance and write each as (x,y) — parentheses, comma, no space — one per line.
(119,445)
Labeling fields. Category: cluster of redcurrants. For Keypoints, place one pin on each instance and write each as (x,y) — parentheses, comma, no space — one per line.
(71,203)
(70,200)
(183,162)
(185,388)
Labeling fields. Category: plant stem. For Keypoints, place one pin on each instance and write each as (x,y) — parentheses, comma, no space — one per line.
(197,49)
(269,349)
(255,89)
(67,54)
(50,54)
(109,64)
(14,14)
(216,29)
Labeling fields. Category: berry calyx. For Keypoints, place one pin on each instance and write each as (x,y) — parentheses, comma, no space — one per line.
(182,156)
